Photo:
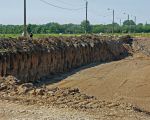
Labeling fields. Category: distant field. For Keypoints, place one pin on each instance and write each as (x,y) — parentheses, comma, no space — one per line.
(57,35)
(138,34)
(36,35)
(8,35)
(132,34)
(141,35)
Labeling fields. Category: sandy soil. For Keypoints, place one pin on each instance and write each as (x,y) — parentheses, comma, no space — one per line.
(16,111)
(125,80)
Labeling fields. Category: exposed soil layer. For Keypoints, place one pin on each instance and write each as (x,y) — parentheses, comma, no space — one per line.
(117,90)
(29,60)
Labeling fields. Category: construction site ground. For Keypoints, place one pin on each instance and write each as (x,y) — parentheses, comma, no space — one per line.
(118,90)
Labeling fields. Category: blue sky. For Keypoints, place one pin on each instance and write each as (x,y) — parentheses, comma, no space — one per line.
(11,11)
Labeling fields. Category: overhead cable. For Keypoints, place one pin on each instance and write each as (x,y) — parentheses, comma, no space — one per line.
(70,9)
(66,3)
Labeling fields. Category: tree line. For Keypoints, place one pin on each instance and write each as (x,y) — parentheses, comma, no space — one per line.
(50,28)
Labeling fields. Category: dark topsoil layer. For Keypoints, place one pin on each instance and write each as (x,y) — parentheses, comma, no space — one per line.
(19,45)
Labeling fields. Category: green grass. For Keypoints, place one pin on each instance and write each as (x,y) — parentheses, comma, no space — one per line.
(57,35)
(132,34)
(141,35)
(37,35)
(8,35)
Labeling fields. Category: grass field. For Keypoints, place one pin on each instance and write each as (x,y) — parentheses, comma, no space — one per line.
(57,35)
(36,35)
(132,34)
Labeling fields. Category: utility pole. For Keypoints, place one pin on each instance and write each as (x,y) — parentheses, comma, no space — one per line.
(120,22)
(113,21)
(86,17)
(128,23)
(135,24)
(128,17)
(120,26)
(25,22)
(135,20)
(146,23)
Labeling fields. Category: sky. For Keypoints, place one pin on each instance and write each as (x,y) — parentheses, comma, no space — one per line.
(11,11)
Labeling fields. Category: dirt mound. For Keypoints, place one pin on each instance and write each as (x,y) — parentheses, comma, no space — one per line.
(64,97)
(141,45)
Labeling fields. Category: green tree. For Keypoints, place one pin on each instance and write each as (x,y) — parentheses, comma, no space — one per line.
(85,25)
(129,22)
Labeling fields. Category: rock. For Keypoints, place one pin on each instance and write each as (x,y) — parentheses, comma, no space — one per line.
(32,92)
(51,93)
(53,89)
(24,88)
(76,90)
(40,91)
(11,80)
(3,86)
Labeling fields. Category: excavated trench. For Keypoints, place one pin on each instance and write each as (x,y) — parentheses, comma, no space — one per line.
(29,60)
(24,61)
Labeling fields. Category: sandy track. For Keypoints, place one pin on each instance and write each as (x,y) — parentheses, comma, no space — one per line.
(13,111)
(126,80)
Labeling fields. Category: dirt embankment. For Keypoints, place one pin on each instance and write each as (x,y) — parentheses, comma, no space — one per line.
(141,45)
(29,60)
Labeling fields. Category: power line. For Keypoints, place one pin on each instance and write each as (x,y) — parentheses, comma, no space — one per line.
(61,7)
(66,3)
